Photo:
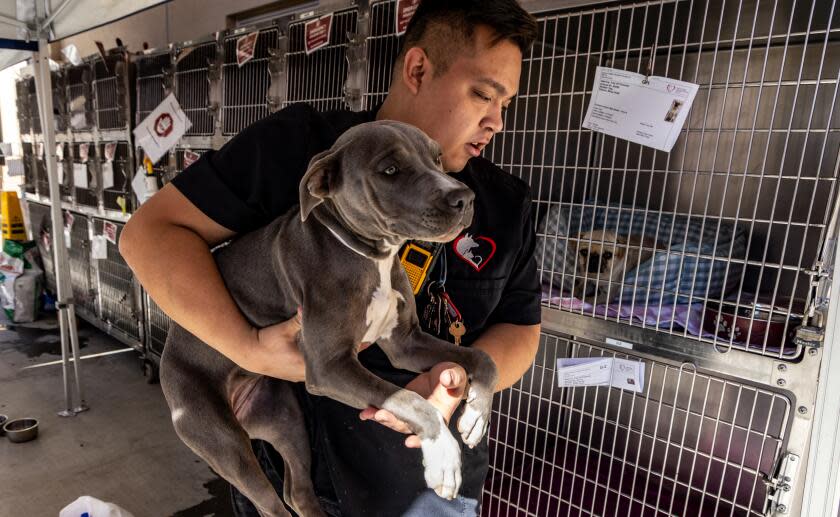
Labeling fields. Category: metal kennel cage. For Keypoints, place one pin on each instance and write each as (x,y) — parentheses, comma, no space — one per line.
(318,78)
(80,97)
(40,231)
(196,68)
(87,170)
(112,100)
(30,170)
(23,108)
(122,167)
(383,45)
(119,299)
(153,77)
(157,327)
(245,89)
(78,250)
(59,92)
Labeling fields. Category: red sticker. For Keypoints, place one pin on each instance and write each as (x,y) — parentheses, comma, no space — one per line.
(246,47)
(164,125)
(190,158)
(404,12)
(318,33)
(68,220)
(109,230)
(84,152)
(475,251)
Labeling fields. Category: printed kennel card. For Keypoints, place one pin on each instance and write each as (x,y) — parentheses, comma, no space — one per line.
(109,231)
(317,33)
(99,247)
(162,128)
(601,371)
(404,11)
(649,111)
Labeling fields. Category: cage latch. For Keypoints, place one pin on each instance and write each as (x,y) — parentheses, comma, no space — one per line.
(780,487)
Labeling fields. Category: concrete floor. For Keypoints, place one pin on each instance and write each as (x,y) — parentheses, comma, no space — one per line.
(123,450)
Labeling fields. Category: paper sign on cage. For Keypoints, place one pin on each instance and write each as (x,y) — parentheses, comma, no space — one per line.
(162,128)
(601,371)
(404,11)
(109,230)
(317,33)
(646,110)
(107,175)
(246,46)
(190,158)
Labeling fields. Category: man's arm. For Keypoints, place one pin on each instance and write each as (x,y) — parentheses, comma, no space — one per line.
(185,282)
(512,348)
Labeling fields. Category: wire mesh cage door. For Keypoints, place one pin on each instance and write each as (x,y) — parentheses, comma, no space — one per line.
(152,82)
(31,176)
(192,86)
(111,96)
(59,92)
(383,46)
(245,87)
(80,98)
(157,326)
(318,77)
(78,251)
(116,285)
(117,171)
(720,234)
(688,444)
(40,225)
(85,171)
(23,107)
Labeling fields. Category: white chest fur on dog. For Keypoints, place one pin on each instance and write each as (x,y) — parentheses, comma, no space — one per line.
(381,316)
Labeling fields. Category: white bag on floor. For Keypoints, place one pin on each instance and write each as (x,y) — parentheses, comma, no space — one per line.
(93,507)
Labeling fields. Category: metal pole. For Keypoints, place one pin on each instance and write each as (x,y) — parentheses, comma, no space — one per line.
(43,85)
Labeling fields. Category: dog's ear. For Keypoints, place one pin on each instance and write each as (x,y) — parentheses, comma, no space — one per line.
(320,180)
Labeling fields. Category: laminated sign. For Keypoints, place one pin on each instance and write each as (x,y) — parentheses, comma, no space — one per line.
(190,158)
(109,230)
(108,165)
(317,33)
(245,48)
(162,128)
(404,12)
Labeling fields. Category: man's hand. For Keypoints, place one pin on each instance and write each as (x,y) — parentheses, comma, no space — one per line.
(443,386)
(275,352)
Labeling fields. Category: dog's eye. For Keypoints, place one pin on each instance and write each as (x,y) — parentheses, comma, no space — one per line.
(584,253)
(439,160)
(390,171)
(607,255)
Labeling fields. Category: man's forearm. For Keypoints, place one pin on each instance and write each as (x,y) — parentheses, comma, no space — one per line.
(512,348)
(186,284)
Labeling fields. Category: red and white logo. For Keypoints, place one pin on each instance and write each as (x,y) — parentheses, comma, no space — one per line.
(475,251)
(109,230)
(164,125)
(317,33)
(245,48)
(190,158)
(404,11)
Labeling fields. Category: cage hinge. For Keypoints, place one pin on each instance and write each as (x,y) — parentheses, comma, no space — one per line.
(780,487)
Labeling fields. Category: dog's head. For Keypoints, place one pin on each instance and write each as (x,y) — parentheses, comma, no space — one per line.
(385,180)
(601,255)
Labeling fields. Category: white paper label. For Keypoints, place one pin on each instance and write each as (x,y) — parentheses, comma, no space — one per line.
(80,175)
(68,227)
(649,112)
(59,151)
(109,230)
(601,371)
(110,151)
(162,128)
(61,167)
(107,174)
(84,152)
(99,247)
(143,186)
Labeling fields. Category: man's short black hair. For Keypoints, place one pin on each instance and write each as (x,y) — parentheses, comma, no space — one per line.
(443,27)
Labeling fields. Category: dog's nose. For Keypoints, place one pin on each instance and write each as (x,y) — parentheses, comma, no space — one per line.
(594,264)
(460,199)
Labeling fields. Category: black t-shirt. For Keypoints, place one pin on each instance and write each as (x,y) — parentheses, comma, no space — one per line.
(491,277)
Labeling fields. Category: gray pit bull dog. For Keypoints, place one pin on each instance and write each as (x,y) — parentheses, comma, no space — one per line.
(337,259)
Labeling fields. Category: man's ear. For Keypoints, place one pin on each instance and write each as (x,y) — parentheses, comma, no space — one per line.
(415,68)
(320,180)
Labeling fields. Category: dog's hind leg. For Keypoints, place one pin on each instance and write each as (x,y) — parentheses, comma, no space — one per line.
(209,428)
(273,414)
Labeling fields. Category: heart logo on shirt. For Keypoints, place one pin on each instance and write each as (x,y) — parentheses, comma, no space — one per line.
(475,251)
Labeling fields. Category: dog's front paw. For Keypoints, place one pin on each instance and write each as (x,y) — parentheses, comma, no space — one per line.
(474,420)
(442,461)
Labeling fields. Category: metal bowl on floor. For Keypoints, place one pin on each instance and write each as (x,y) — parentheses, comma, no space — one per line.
(21,430)
(3,419)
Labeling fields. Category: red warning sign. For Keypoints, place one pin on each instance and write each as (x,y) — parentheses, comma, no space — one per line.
(404,11)
(190,158)
(317,33)
(163,125)
(246,48)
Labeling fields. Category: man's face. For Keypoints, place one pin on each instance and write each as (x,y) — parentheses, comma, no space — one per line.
(462,109)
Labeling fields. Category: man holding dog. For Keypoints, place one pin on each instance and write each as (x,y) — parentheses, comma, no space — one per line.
(457,73)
